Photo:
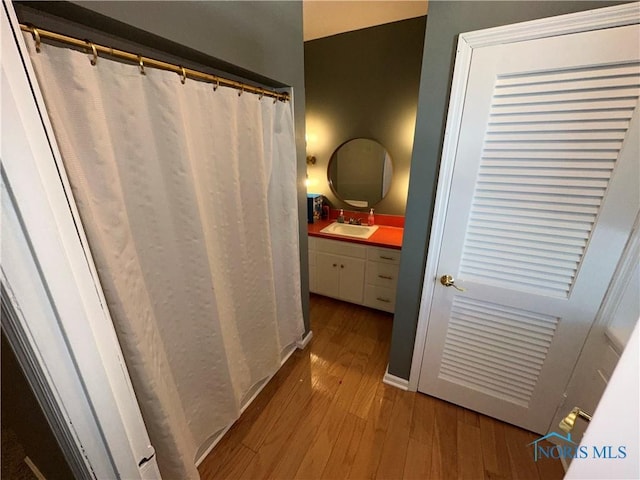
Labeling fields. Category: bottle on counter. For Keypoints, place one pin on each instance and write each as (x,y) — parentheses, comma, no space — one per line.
(371,219)
(341,216)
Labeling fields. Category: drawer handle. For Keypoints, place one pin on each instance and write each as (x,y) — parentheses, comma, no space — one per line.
(335,264)
(386,258)
(386,277)
(385,300)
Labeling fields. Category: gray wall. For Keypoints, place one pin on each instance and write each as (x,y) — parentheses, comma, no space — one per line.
(261,41)
(445,21)
(364,84)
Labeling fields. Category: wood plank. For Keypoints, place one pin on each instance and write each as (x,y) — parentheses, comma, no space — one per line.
(489,475)
(394,450)
(444,460)
(367,456)
(470,464)
(548,468)
(228,454)
(348,366)
(341,316)
(384,323)
(351,381)
(418,462)
(384,390)
(363,343)
(319,451)
(357,318)
(345,448)
(276,439)
(366,391)
(271,413)
(288,464)
(236,465)
(423,419)
(520,455)
(469,417)
(344,357)
(494,448)
(326,361)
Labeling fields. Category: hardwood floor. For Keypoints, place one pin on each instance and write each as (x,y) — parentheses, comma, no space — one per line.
(327,415)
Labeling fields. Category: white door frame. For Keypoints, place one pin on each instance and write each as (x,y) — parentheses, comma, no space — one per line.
(609,17)
(56,318)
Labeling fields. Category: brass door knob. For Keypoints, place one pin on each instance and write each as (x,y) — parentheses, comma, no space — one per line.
(449,281)
(568,422)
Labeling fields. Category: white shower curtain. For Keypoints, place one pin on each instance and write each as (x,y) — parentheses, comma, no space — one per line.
(188,198)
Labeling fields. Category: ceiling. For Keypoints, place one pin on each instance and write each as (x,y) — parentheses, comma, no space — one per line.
(323,18)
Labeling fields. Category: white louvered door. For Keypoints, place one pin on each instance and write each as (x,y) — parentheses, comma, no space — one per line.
(543,196)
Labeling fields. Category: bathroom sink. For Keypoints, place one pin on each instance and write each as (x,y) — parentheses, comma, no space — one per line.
(348,230)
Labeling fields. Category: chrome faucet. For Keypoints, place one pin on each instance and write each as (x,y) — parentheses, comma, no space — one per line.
(355,221)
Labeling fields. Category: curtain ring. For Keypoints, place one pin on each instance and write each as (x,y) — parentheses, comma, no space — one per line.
(216,84)
(94,60)
(183,78)
(261,94)
(241,91)
(141,64)
(36,38)
(275,98)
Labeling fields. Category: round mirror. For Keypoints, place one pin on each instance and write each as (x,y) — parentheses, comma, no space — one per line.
(360,172)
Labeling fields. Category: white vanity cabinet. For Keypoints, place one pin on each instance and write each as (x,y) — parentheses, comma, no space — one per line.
(340,269)
(354,273)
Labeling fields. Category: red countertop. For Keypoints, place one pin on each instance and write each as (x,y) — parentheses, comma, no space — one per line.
(384,236)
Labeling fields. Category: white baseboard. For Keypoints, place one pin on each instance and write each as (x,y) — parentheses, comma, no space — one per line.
(394,381)
(302,343)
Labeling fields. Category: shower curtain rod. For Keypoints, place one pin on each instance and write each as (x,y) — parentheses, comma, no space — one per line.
(143,62)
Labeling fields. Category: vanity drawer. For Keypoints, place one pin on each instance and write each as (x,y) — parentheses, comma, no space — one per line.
(384,255)
(382,298)
(341,248)
(382,274)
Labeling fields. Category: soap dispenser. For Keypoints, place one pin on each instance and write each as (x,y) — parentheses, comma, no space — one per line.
(371,220)
(341,216)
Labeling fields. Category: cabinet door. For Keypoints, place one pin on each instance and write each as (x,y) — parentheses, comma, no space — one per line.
(351,279)
(328,274)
